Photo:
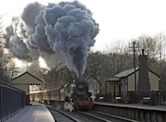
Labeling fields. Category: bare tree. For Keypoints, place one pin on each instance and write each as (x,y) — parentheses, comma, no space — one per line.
(4,75)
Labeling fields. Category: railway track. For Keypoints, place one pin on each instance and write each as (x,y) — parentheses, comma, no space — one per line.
(77,116)
(86,117)
(90,116)
(60,116)
(110,117)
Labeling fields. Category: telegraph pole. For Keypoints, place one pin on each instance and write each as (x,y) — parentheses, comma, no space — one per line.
(134,60)
(133,47)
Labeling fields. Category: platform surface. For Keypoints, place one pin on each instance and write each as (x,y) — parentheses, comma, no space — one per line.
(33,113)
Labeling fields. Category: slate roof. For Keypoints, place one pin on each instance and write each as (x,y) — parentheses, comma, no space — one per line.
(30,75)
(90,76)
(128,72)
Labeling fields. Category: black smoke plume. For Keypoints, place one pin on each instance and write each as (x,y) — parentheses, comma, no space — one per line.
(60,33)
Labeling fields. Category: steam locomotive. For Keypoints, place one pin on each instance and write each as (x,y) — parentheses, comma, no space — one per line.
(76,93)
(81,97)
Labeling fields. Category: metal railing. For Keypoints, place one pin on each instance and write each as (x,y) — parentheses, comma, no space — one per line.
(11,100)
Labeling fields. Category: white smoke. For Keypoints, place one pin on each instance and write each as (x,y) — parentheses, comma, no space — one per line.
(60,34)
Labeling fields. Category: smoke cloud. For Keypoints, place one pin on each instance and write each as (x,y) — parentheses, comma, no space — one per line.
(61,34)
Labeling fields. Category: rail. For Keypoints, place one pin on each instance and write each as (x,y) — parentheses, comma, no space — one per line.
(65,114)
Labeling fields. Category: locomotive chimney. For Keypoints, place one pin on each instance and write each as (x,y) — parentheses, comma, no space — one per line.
(143,82)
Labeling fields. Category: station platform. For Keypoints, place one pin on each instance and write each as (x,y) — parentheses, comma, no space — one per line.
(33,113)
(135,106)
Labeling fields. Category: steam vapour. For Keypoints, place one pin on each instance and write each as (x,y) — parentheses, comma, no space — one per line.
(61,34)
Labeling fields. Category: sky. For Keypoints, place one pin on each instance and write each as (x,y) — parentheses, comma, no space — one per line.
(119,20)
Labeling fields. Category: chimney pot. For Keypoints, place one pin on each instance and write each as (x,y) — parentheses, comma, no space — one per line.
(143,51)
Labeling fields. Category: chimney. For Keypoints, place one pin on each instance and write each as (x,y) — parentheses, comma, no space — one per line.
(143,82)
